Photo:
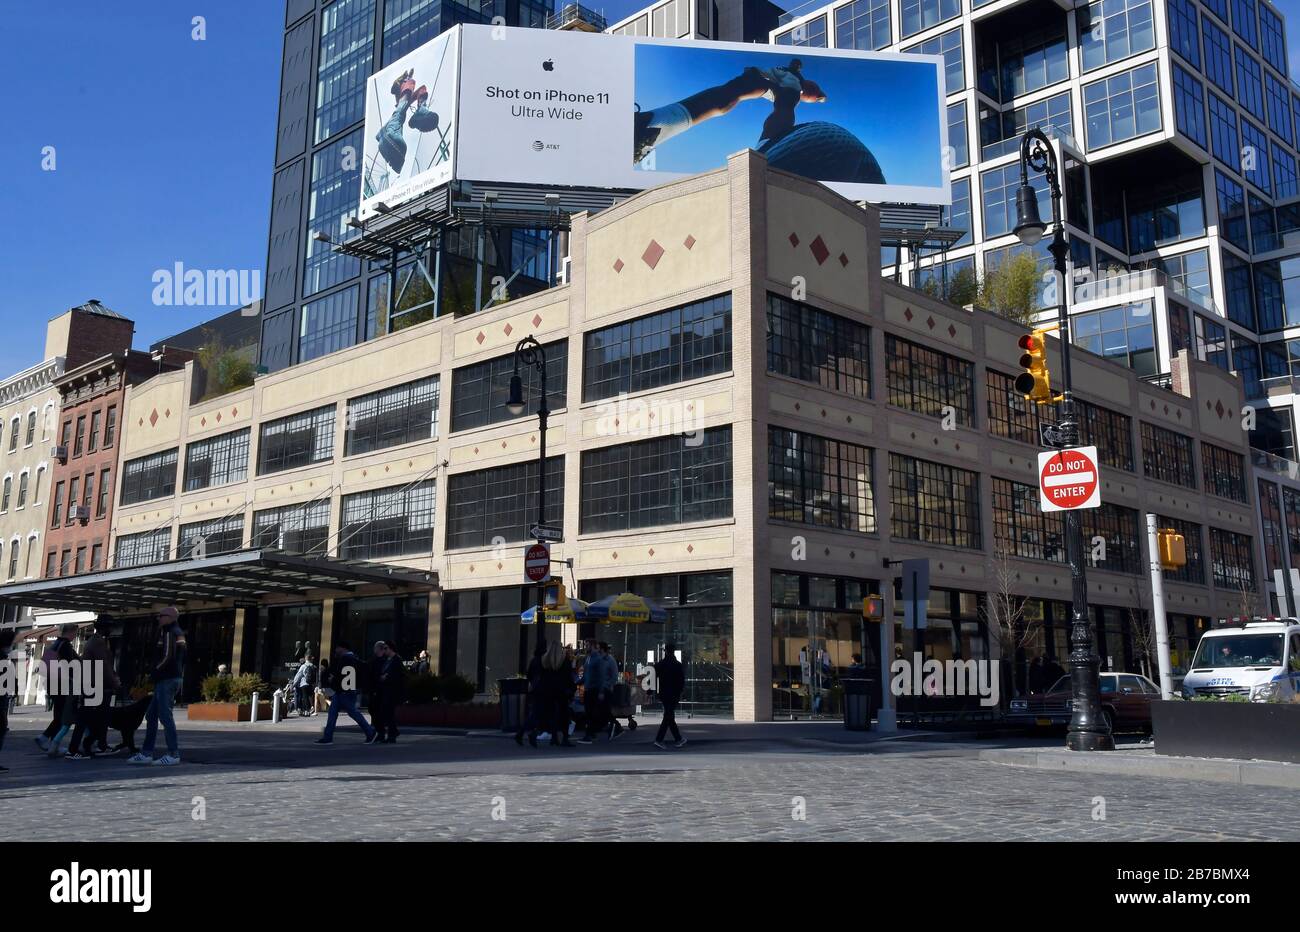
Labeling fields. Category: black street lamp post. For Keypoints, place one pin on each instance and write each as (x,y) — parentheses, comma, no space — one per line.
(1088,729)
(530,353)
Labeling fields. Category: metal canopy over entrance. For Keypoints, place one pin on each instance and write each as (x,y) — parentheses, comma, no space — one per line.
(246,576)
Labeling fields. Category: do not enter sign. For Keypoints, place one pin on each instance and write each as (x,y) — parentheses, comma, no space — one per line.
(1069,479)
(537,563)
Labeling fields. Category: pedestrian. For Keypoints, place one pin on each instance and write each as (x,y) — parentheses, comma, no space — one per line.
(373,668)
(1037,673)
(304,686)
(92,717)
(422,665)
(557,689)
(342,678)
(670,679)
(597,683)
(534,715)
(58,687)
(391,676)
(9,676)
(857,669)
(614,676)
(167,676)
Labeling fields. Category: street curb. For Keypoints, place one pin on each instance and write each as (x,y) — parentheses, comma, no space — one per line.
(1146,764)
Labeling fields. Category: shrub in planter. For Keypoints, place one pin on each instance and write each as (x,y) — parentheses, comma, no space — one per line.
(242,687)
(215,688)
(456,688)
(421,689)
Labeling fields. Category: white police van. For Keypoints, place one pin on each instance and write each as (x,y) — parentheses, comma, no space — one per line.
(1258,658)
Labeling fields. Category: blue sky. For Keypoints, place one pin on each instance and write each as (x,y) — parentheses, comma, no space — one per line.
(163,146)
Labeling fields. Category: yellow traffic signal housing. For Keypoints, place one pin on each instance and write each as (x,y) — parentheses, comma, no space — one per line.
(873,607)
(1172,547)
(553,595)
(1035,383)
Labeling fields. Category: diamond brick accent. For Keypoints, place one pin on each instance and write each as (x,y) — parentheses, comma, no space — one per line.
(844,260)
(153,418)
(1218,408)
(167,413)
(203,422)
(537,320)
(907,314)
(794,240)
(929,322)
(689,242)
(507,330)
(480,338)
(651,551)
(218,417)
(653,253)
(618,266)
(952,331)
(819,250)
(234,412)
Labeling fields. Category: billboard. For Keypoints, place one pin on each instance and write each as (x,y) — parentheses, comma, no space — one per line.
(579,109)
(410,135)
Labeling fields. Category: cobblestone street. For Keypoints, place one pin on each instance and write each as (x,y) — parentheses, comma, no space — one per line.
(732,782)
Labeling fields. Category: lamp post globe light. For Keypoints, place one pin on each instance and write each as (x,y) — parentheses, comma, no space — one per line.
(529,352)
(1088,728)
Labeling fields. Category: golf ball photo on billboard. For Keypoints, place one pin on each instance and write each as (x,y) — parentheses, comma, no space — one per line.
(1069,479)
(410,125)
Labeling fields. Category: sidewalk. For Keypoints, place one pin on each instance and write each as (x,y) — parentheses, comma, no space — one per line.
(1144,763)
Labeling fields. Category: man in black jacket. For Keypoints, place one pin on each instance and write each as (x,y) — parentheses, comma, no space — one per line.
(343,679)
(670,681)
(388,686)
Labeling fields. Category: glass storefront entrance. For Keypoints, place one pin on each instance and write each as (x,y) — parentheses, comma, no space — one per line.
(817,627)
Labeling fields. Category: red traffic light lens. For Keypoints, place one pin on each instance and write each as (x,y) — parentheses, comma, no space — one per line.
(1029,342)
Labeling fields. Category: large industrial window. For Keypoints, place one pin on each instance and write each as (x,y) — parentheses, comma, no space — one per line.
(1284,173)
(1167,456)
(143,549)
(1122,107)
(1218,55)
(500,504)
(217,461)
(1237,290)
(1118,527)
(1232,209)
(296,440)
(479,392)
(1250,86)
(335,191)
(676,345)
(929,382)
(147,477)
(1194,570)
(1024,62)
(1273,43)
(1189,107)
(922,14)
(301,528)
(1113,30)
(1211,342)
(1109,431)
(676,479)
(393,416)
(1255,160)
(1123,334)
(1233,560)
(817,346)
(328,325)
(1243,21)
(947,44)
(1279,106)
(934,503)
(819,481)
(1225,472)
(390,522)
(220,535)
(1011,415)
(1020,528)
(1184,37)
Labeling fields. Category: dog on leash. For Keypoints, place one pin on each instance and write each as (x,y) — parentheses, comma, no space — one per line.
(126,719)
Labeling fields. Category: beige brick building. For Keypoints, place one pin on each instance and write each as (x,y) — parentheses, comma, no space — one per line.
(752,422)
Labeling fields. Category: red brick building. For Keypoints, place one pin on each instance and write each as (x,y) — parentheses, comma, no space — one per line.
(84,461)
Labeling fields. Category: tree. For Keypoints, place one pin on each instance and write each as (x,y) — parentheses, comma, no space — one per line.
(962,289)
(1145,644)
(225,369)
(1010,288)
(1003,613)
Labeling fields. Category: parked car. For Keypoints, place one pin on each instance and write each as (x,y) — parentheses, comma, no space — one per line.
(1125,704)
(1257,660)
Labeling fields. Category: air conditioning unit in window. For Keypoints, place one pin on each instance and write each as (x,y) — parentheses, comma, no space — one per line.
(60,453)
(82,514)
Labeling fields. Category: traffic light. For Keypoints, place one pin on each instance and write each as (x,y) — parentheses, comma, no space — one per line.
(1035,383)
(873,607)
(1172,547)
(553,595)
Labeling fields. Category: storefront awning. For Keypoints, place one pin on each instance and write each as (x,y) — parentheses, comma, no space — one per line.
(241,579)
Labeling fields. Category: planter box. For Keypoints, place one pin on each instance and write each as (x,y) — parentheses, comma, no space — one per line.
(1241,730)
(450,715)
(227,712)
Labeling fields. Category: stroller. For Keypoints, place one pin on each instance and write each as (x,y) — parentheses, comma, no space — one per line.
(627,696)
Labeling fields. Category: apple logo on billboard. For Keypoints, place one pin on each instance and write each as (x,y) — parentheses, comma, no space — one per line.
(548,65)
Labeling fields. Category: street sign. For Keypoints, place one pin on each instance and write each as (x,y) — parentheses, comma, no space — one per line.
(537,563)
(546,532)
(916,593)
(1051,435)
(1069,479)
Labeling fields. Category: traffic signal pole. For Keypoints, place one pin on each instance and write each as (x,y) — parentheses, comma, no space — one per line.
(1088,729)
(1158,609)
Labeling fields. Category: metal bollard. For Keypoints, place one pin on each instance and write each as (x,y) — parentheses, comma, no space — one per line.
(253,718)
(275,708)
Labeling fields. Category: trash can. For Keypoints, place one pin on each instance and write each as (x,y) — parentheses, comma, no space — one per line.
(857,705)
(514,703)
